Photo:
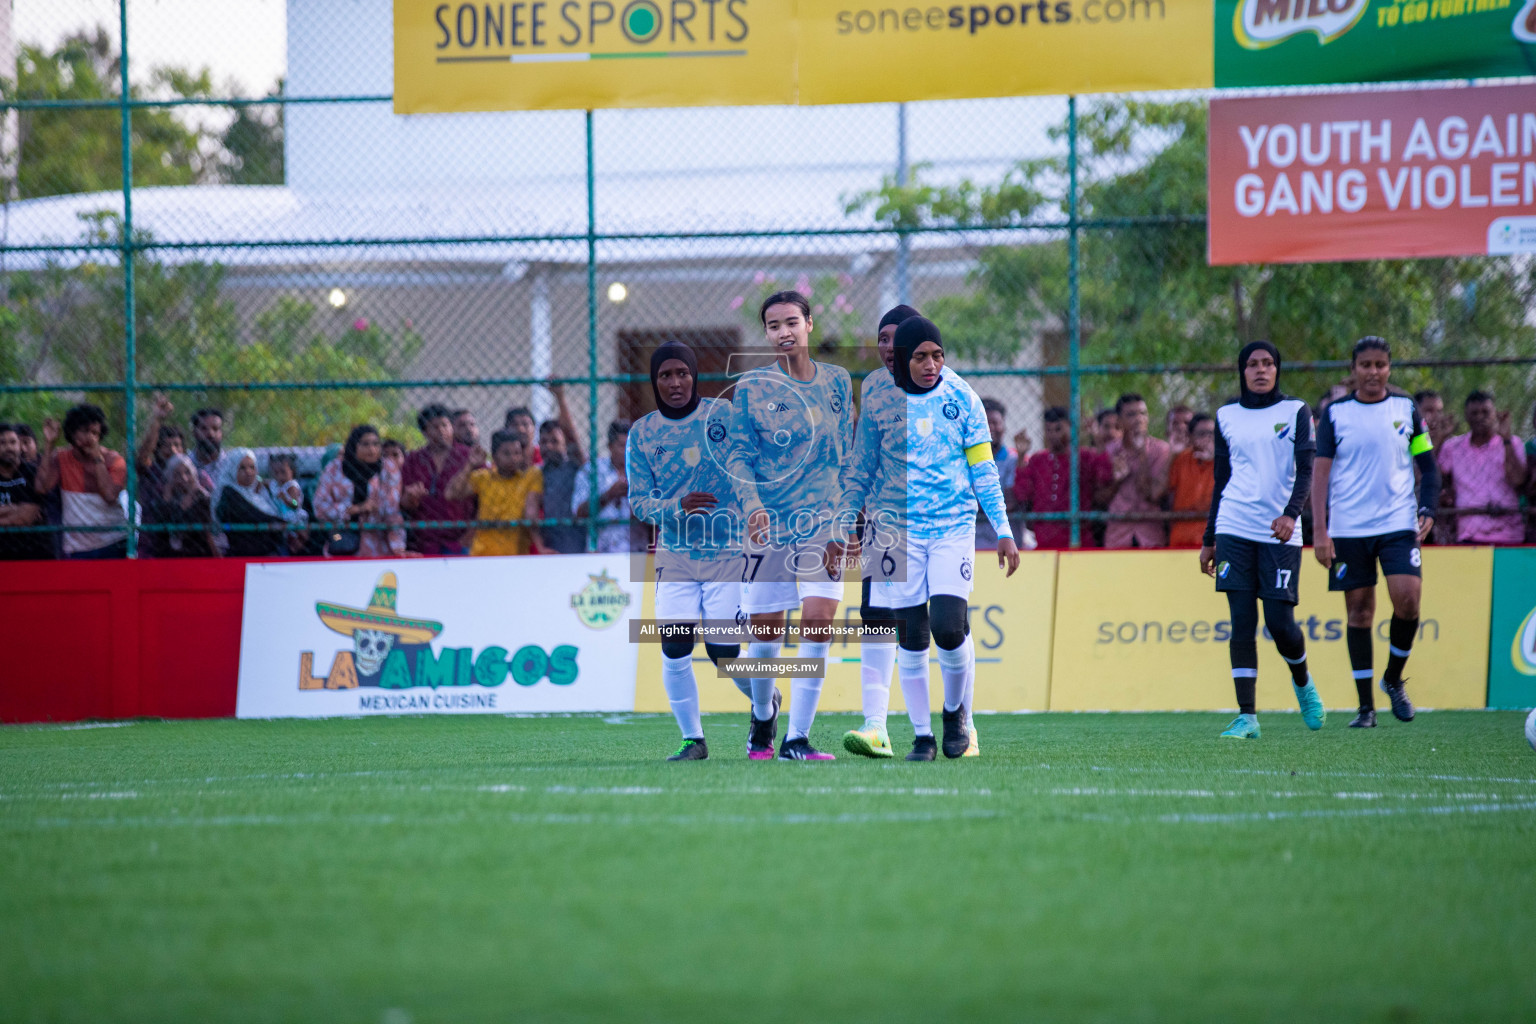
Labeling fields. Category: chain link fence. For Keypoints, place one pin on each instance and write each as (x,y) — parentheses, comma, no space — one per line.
(292,254)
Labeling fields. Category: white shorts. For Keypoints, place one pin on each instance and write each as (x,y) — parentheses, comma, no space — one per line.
(910,574)
(777,578)
(697,602)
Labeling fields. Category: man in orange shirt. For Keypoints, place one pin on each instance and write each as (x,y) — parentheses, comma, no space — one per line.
(90,478)
(1191,478)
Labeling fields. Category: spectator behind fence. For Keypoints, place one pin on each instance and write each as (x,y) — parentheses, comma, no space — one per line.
(562,462)
(28,443)
(1043,484)
(360,487)
(1432,411)
(1178,420)
(242,500)
(1105,429)
(1485,468)
(1007,468)
(20,504)
(510,488)
(466,431)
(521,422)
(425,479)
(208,445)
(89,479)
(1191,479)
(160,442)
(180,501)
(1021,448)
(282,482)
(613,492)
(1139,465)
(393,452)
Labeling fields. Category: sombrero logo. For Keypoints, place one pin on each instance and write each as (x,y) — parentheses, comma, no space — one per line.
(1522,653)
(601,602)
(394,652)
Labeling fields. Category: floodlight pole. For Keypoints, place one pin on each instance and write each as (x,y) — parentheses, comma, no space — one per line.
(130,341)
(903,240)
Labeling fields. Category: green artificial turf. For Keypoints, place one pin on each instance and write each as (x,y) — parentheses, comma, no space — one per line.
(1086,868)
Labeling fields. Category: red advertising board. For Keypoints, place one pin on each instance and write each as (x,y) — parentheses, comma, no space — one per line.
(1373,175)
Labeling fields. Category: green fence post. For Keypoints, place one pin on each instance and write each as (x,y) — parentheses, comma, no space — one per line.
(593,504)
(1074,329)
(130,354)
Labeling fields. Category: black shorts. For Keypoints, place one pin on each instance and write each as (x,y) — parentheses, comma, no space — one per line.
(1271,570)
(1355,558)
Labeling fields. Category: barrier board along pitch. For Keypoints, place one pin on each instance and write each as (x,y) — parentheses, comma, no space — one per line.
(437,636)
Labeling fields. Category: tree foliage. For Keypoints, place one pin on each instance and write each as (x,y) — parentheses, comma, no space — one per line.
(1148,297)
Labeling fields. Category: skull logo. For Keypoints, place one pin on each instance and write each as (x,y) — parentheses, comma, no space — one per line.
(373,646)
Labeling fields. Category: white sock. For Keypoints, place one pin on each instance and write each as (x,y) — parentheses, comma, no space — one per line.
(970,679)
(875,663)
(683,693)
(913,667)
(955,668)
(760,689)
(804,694)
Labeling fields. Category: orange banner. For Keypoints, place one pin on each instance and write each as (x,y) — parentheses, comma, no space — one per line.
(1373,175)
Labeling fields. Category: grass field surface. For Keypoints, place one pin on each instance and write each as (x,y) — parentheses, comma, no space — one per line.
(1086,868)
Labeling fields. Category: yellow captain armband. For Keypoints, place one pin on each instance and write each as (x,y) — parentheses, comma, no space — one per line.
(978,453)
(1420,444)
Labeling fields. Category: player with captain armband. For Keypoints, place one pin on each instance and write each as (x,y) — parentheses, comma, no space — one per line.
(674,461)
(922,461)
(791,429)
(1252,544)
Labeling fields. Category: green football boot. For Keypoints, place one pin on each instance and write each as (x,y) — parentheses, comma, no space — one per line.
(1243,727)
(1312,710)
(873,742)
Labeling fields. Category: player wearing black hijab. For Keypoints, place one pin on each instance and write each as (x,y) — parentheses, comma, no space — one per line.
(1252,545)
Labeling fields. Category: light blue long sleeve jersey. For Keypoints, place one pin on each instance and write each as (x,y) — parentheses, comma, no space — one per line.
(666,459)
(789,440)
(924,462)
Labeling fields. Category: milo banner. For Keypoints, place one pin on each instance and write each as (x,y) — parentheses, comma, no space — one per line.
(1394,174)
(1324,42)
(437,636)
(1512,646)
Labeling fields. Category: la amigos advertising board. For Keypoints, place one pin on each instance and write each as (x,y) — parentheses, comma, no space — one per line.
(437,636)
(1373,175)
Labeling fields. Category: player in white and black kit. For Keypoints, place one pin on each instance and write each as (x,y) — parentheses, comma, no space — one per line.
(1252,545)
(1364,510)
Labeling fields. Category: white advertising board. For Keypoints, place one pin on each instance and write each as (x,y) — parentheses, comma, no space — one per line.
(437,636)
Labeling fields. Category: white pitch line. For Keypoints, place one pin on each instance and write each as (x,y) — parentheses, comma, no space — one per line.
(1363,812)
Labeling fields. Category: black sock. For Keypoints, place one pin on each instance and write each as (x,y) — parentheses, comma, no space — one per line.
(1243,648)
(1245,686)
(1289,641)
(1400,639)
(1358,640)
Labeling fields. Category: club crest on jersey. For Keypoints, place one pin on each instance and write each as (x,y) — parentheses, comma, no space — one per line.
(924,427)
(836,403)
(717,432)
(1282,431)
(1223,569)
(1401,426)
(951,410)
(691,455)
(965,568)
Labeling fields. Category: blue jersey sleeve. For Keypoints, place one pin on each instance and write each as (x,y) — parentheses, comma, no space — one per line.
(741,453)
(645,501)
(863,466)
(985,482)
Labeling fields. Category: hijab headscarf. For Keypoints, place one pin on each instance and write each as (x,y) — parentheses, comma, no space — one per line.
(912,332)
(1251,399)
(360,473)
(895,315)
(255,495)
(675,350)
(168,490)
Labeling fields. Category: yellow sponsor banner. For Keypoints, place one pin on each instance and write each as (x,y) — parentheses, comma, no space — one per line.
(585,54)
(870,51)
(1010,625)
(1147,631)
